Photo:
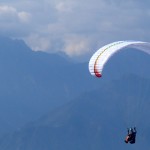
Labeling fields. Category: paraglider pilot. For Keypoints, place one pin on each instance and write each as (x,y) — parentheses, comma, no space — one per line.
(131,136)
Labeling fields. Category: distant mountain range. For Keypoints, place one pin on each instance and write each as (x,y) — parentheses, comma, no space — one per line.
(33,83)
(49,102)
(95,120)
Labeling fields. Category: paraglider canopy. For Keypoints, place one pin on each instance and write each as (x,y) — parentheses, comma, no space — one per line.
(101,56)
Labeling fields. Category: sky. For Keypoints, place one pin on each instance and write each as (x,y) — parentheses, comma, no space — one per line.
(76,27)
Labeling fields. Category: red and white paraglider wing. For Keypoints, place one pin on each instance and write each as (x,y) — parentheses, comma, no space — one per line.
(101,56)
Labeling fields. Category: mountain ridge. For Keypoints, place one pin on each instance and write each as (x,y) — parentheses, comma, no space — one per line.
(91,121)
(35,83)
(30,83)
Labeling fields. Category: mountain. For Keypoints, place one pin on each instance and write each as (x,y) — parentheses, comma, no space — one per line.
(33,83)
(95,120)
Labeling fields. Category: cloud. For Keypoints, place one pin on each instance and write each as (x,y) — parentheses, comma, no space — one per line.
(11,19)
(63,7)
(24,17)
(7,13)
(75,45)
(75,27)
(7,10)
(37,42)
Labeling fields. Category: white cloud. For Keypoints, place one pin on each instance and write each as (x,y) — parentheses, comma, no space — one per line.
(9,14)
(38,42)
(7,9)
(75,27)
(63,7)
(24,17)
(75,45)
